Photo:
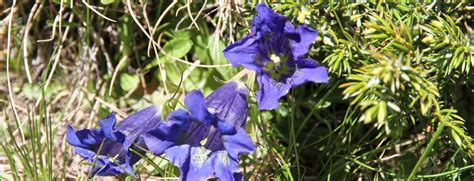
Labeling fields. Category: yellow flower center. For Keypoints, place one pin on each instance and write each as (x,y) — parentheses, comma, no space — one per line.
(277,66)
(275,58)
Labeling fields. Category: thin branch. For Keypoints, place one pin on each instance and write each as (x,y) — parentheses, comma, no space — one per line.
(97,12)
(25,40)
(10,92)
(151,39)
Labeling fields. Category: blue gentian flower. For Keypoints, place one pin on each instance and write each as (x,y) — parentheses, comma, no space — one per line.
(107,148)
(276,50)
(206,141)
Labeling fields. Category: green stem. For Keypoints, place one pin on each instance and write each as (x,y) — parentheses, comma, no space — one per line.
(294,144)
(457,170)
(314,110)
(427,150)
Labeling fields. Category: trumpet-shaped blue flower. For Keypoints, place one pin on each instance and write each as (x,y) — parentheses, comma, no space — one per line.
(206,141)
(276,50)
(107,148)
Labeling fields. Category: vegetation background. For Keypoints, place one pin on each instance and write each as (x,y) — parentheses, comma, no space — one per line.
(398,105)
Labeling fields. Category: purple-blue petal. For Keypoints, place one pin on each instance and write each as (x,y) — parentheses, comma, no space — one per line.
(138,123)
(167,134)
(110,141)
(107,125)
(179,156)
(290,31)
(238,176)
(105,167)
(309,71)
(243,52)
(200,166)
(156,141)
(269,92)
(276,22)
(73,139)
(239,143)
(214,140)
(178,129)
(85,153)
(302,43)
(229,103)
(224,166)
(225,127)
(197,107)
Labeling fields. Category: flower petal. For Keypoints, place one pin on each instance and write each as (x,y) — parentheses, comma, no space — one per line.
(229,102)
(156,141)
(243,52)
(101,146)
(105,167)
(107,127)
(276,22)
(269,92)
(166,135)
(214,140)
(179,156)
(85,153)
(225,127)
(224,166)
(197,106)
(300,45)
(73,139)
(200,166)
(138,123)
(239,143)
(290,31)
(308,71)
(238,176)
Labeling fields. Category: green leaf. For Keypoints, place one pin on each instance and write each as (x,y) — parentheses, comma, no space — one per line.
(393,106)
(107,2)
(177,48)
(215,48)
(129,82)
(382,112)
(125,30)
(216,53)
(200,49)
(456,137)
(369,113)
(181,34)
